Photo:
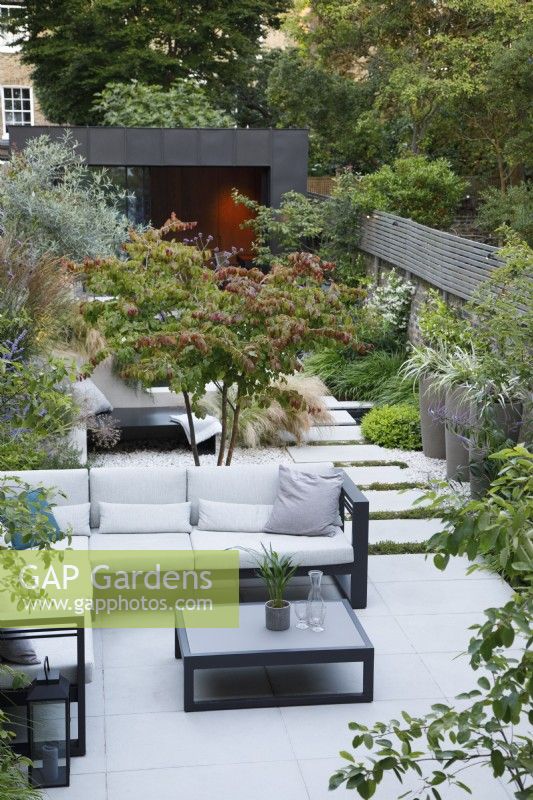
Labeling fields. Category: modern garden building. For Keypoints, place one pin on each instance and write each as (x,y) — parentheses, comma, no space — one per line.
(192,171)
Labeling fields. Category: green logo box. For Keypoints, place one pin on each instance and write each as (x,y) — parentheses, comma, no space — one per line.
(120,588)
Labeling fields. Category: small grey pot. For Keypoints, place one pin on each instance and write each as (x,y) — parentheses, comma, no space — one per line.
(278,619)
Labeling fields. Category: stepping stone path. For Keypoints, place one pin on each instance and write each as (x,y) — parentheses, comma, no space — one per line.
(340,418)
(337,452)
(339,444)
(335,433)
(366,476)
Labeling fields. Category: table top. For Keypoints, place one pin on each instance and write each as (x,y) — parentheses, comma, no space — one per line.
(342,631)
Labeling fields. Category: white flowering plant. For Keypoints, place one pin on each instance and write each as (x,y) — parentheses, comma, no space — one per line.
(392,301)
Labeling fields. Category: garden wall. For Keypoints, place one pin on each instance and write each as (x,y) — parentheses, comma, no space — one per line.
(427,257)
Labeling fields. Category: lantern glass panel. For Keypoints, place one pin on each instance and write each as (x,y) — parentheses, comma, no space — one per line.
(49,734)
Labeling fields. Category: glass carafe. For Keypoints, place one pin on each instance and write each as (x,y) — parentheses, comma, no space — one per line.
(316,608)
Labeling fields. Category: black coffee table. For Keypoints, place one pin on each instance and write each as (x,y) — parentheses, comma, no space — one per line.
(252,645)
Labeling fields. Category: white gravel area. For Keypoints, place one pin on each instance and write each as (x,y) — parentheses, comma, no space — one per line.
(147,457)
(419,467)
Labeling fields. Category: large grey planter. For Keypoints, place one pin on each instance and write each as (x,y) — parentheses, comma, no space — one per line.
(278,619)
(507,419)
(457,448)
(432,425)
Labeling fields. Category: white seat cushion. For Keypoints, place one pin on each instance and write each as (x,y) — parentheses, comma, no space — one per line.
(127,542)
(79,543)
(307,551)
(62,656)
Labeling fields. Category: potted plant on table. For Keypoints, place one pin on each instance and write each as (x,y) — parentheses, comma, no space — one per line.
(275,571)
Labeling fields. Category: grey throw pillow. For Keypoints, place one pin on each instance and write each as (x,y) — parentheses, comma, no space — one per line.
(17,651)
(307,503)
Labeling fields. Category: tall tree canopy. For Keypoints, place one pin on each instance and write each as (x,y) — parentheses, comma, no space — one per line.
(442,77)
(77,47)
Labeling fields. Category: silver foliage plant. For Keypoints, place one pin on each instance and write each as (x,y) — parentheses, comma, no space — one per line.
(50,198)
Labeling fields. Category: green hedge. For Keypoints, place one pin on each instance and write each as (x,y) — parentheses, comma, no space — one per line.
(393,426)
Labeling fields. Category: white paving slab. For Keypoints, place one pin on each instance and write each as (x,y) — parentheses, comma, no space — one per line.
(340,418)
(335,433)
(321,731)
(265,781)
(338,452)
(151,646)
(163,740)
(394,500)
(441,597)
(439,633)
(365,476)
(418,567)
(331,402)
(154,688)
(402,530)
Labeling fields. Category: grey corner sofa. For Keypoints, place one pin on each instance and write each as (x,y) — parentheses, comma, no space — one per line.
(344,555)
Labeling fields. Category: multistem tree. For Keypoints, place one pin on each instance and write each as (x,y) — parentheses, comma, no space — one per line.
(172,317)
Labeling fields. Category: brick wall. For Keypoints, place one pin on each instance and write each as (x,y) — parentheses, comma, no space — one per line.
(14,73)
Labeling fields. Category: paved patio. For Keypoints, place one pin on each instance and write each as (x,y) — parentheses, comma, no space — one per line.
(142,745)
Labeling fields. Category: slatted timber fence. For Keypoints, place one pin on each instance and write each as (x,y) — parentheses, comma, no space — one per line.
(450,263)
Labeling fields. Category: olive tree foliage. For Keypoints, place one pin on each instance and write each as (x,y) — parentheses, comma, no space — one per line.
(50,199)
(173,317)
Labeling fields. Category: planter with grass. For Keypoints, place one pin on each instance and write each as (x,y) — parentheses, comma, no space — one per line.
(275,571)
(456,434)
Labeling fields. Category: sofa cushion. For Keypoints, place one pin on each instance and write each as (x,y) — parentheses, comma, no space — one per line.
(178,542)
(215,516)
(61,653)
(78,543)
(74,483)
(145,518)
(73,519)
(307,504)
(307,551)
(240,483)
(136,485)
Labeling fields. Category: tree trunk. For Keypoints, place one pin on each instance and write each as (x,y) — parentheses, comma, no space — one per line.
(501,173)
(194,447)
(224,422)
(234,430)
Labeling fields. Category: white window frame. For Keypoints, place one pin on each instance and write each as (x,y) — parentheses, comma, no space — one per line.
(6,39)
(5,134)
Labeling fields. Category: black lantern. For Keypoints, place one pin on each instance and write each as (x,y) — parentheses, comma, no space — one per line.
(49,729)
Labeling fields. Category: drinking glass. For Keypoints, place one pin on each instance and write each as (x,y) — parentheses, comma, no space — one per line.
(300,609)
